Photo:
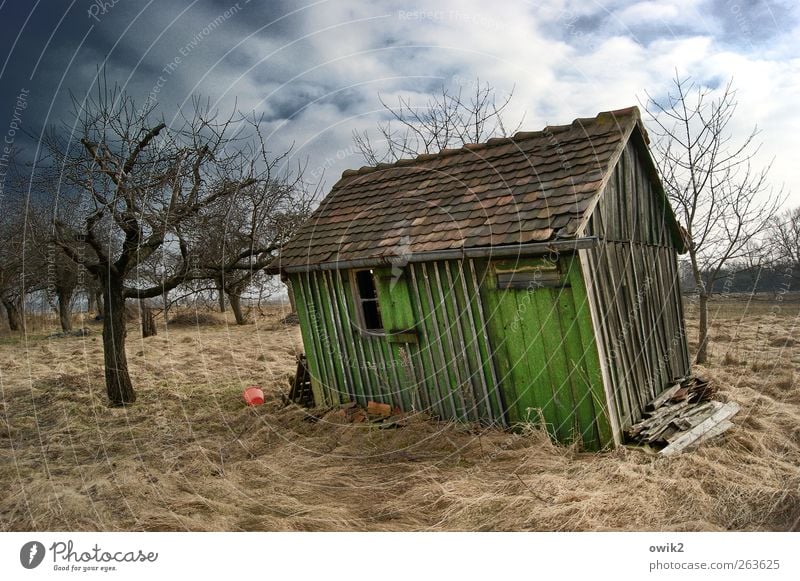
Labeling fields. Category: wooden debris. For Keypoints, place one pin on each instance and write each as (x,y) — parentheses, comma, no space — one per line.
(300,386)
(698,389)
(379,409)
(682,416)
(721,427)
(665,396)
(712,426)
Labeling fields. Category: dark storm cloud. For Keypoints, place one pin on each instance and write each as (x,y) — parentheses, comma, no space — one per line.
(743,23)
(315,69)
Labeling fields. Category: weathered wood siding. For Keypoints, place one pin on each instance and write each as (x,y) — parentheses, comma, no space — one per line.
(546,356)
(482,353)
(634,287)
(448,371)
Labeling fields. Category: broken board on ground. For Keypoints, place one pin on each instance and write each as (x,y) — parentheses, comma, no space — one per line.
(683,416)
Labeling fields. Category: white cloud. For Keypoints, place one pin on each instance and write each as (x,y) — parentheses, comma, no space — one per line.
(662,12)
(317,73)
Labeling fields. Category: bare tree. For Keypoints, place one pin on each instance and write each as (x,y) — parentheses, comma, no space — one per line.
(239,238)
(147,317)
(143,183)
(15,246)
(53,273)
(448,119)
(784,238)
(12,267)
(724,201)
(783,244)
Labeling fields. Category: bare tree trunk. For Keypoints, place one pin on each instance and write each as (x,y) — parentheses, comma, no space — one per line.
(702,342)
(165,299)
(236,306)
(291,295)
(64,297)
(118,382)
(98,296)
(220,295)
(16,318)
(148,321)
(92,300)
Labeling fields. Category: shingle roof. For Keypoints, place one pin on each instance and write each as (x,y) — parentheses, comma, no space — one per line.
(534,186)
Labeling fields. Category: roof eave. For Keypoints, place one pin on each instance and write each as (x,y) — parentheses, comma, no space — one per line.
(531,249)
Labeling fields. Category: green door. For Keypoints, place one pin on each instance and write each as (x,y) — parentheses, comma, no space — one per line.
(544,349)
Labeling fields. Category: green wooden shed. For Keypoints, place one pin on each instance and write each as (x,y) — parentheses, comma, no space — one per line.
(526,279)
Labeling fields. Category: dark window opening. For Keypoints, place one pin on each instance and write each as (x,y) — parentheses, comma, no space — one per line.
(368,299)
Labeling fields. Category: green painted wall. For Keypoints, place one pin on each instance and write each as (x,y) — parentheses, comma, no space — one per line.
(546,354)
(459,346)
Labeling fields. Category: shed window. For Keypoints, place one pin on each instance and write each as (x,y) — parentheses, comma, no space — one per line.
(368,300)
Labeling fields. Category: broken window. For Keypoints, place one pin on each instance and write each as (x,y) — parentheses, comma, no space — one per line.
(367,295)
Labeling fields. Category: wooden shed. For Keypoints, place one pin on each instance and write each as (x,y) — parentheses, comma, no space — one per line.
(525,279)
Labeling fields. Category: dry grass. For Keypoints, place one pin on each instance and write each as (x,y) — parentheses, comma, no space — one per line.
(195,318)
(190,456)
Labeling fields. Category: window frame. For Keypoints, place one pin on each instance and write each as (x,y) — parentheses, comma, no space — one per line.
(361,319)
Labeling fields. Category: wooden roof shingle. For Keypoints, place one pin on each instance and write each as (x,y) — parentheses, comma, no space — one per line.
(532,187)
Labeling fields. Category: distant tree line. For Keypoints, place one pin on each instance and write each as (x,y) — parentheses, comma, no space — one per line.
(766,279)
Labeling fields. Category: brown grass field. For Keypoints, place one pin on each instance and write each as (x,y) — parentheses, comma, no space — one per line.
(189,455)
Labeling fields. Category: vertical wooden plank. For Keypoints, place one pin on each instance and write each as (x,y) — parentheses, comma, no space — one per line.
(550,338)
(305,312)
(487,353)
(680,319)
(473,334)
(349,303)
(579,381)
(628,329)
(356,348)
(397,314)
(582,353)
(328,340)
(455,334)
(438,377)
(606,407)
(424,387)
(407,369)
(641,339)
(674,308)
(673,312)
(331,343)
(318,330)
(393,381)
(624,364)
(645,262)
(443,319)
(380,388)
(530,373)
(661,311)
(346,342)
(396,385)
(493,322)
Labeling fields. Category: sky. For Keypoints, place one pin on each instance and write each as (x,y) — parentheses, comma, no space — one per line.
(316,70)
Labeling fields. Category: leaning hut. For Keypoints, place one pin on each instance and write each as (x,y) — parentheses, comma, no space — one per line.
(526,279)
